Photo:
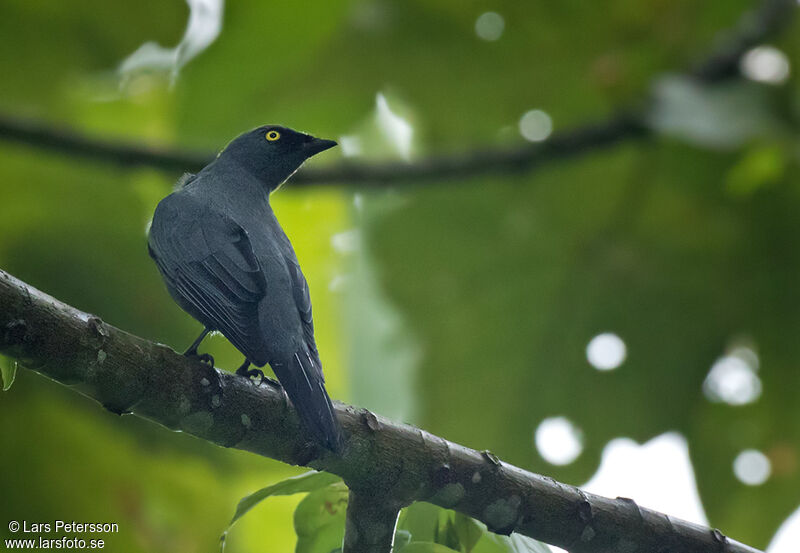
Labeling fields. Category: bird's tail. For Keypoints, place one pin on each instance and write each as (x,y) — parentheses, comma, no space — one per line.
(302,379)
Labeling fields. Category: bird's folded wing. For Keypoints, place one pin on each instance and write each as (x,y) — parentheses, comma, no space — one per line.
(208,259)
(302,299)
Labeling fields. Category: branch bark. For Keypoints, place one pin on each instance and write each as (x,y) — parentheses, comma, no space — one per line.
(754,27)
(371,522)
(395,463)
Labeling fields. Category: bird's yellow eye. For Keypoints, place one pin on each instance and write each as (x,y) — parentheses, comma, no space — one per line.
(272,136)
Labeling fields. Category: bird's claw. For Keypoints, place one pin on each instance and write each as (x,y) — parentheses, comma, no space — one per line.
(270,382)
(206,358)
(262,379)
(202,357)
(255,373)
(244,371)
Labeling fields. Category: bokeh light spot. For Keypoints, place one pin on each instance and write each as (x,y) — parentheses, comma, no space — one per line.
(752,467)
(765,64)
(490,26)
(558,441)
(348,241)
(606,351)
(351,145)
(535,125)
(733,379)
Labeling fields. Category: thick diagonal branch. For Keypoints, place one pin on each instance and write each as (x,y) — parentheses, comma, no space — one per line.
(769,18)
(396,463)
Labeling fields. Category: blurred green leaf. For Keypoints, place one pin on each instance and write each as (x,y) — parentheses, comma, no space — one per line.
(468,531)
(758,167)
(421,520)
(303,483)
(8,371)
(307,482)
(401,539)
(320,518)
(446,534)
(429,523)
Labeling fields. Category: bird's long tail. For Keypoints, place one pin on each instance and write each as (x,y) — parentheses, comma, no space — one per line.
(302,379)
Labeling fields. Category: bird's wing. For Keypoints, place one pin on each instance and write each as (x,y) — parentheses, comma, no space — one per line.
(209,261)
(302,376)
(302,299)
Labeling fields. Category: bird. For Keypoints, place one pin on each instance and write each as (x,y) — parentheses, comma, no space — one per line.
(227,262)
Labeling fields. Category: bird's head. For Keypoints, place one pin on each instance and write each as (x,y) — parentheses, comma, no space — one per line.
(273,153)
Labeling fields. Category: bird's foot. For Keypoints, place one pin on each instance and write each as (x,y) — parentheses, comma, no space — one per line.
(242,370)
(258,373)
(270,382)
(202,357)
(249,373)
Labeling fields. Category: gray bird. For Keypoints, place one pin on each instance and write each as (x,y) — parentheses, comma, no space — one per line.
(227,262)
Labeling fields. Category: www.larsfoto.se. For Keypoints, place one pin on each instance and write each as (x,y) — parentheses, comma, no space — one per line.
(63,542)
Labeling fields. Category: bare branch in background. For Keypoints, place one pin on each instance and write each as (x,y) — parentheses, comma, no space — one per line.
(755,27)
(479,162)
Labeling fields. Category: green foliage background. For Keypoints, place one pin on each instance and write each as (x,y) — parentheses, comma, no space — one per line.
(464,307)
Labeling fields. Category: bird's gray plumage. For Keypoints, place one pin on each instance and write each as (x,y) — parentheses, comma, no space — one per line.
(226,261)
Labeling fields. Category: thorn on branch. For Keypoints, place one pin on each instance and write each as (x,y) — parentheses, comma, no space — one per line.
(491,458)
(585,516)
(585,510)
(99,333)
(371,421)
(719,538)
(631,505)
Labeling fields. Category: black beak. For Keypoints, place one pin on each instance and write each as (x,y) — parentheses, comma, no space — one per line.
(317,145)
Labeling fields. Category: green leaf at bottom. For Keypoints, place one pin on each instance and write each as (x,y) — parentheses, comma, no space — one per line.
(8,371)
(308,482)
